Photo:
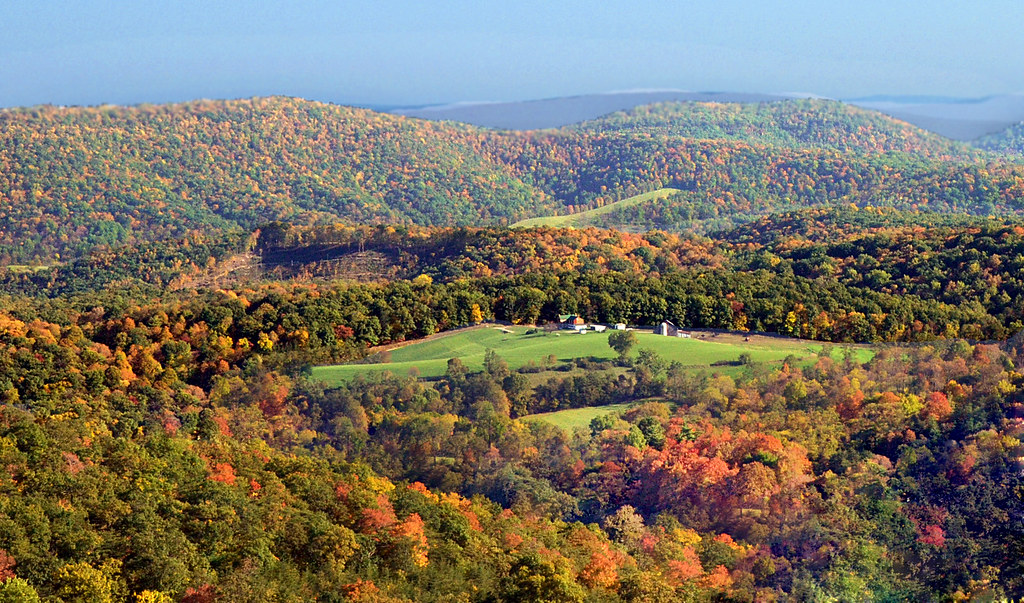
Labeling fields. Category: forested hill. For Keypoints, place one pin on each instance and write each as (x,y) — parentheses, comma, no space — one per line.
(793,123)
(72,179)
(838,275)
(833,224)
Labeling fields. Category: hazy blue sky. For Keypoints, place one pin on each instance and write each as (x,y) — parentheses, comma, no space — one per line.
(403,52)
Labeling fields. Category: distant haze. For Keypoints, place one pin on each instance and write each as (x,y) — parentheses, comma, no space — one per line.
(959,119)
(955,118)
(400,52)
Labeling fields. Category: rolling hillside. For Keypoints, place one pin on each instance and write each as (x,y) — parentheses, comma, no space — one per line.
(73,179)
(113,175)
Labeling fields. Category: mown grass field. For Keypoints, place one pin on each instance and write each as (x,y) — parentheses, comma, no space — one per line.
(430,358)
(25,269)
(586,218)
(576,417)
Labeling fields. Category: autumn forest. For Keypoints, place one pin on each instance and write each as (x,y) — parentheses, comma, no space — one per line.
(176,278)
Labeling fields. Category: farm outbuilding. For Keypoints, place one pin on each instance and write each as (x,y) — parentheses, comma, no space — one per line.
(667,328)
(570,321)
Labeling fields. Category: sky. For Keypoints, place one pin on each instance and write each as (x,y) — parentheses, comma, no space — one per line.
(404,53)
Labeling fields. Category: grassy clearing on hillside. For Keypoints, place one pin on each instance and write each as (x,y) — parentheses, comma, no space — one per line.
(586,218)
(25,268)
(430,358)
(576,417)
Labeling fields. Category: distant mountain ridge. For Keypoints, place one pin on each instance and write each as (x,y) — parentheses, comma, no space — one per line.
(563,111)
(961,119)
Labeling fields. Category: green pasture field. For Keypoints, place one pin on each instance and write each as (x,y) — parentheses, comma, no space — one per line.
(572,418)
(586,218)
(517,348)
